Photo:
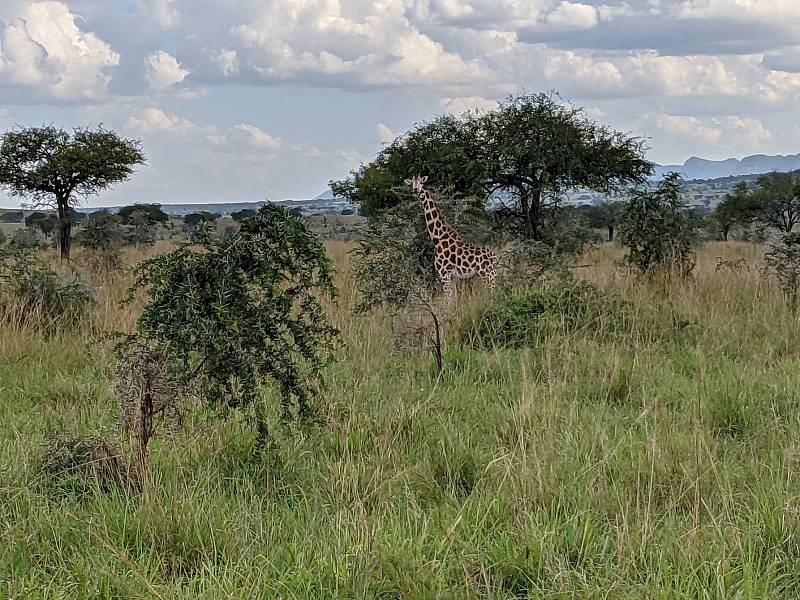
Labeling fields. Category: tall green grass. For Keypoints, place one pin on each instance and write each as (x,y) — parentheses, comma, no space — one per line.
(582,466)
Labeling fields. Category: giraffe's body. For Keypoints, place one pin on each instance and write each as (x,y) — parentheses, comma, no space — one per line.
(454,257)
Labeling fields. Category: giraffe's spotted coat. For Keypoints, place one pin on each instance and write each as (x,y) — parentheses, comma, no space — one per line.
(454,257)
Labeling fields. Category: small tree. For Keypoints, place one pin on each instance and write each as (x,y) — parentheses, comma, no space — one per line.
(231,316)
(605,215)
(57,169)
(735,209)
(784,258)
(103,234)
(657,230)
(140,229)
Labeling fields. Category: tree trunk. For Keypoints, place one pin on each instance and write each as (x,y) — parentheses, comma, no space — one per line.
(725,233)
(527,229)
(535,214)
(64,228)
(530,202)
(610,232)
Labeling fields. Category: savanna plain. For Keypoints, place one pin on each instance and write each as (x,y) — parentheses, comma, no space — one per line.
(648,449)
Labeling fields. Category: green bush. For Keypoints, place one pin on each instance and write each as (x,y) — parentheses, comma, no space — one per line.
(233,316)
(29,286)
(523,318)
(27,238)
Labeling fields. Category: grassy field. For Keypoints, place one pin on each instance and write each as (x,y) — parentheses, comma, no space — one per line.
(587,465)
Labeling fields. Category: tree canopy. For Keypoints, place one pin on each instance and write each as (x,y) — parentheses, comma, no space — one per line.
(241,215)
(658,231)
(528,152)
(13,216)
(773,201)
(235,314)
(605,215)
(151,213)
(192,220)
(51,167)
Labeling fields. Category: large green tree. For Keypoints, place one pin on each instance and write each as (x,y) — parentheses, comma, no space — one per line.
(54,168)
(528,152)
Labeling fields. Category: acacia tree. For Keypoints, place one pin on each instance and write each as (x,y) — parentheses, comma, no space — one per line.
(150,213)
(735,209)
(775,200)
(57,169)
(528,152)
(605,215)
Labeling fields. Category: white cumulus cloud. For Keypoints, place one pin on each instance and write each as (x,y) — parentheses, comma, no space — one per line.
(163,71)
(43,48)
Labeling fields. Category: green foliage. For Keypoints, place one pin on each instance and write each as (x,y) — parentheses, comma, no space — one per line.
(236,314)
(735,209)
(55,168)
(784,258)
(30,288)
(149,213)
(12,216)
(567,232)
(657,231)
(241,215)
(602,216)
(103,234)
(45,222)
(141,229)
(531,150)
(395,259)
(28,238)
(192,220)
(527,317)
(775,200)
(2,238)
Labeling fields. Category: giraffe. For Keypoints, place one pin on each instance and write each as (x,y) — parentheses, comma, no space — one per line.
(454,256)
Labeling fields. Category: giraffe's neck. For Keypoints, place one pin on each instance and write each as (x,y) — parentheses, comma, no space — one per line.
(438,227)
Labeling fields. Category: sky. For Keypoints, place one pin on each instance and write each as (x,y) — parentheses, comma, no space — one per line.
(239,100)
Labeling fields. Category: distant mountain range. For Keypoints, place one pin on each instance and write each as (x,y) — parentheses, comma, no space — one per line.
(701,168)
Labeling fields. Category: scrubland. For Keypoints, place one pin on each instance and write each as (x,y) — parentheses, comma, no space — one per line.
(650,456)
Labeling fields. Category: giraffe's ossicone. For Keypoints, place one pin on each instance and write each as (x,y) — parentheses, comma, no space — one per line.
(454,257)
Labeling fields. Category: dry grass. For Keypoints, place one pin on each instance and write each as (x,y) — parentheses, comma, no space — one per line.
(587,466)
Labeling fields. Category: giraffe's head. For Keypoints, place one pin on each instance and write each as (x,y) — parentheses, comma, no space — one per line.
(417,183)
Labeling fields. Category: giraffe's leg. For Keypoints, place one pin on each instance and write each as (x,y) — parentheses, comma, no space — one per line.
(489,276)
(491,279)
(447,283)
